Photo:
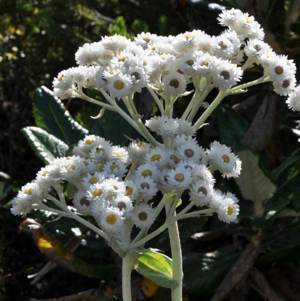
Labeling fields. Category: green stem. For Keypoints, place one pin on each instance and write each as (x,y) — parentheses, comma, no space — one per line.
(176,252)
(129,120)
(240,88)
(157,211)
(209,110)
(222,94)
(139,243)
(126,277)
(198,104)
(107,106)
(136,117)
(157,100)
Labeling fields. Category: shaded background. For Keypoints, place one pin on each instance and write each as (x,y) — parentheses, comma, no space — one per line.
(37,40)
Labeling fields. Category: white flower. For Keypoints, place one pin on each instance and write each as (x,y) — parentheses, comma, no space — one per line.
(293,100)
(71,167)
(115,43)
(243,24)
(167,127)
(123,203)
(85,145)
(185,63)
(174,84)
(95,192)
(111,219)
(147,170)
(68,83)
(280,67)
(143,216)
(89,54)
(284,87)
(81,203)
(188,149)
(179,178)
(158,156)
(113,188)
(31,191)
(21,205)
(204,63)
(225,74)
(204,42)
(222,158)
(115,167)
(184,42)
(223,47)
(120,153)
(228,209)
(147,188)
(92,179)
(118,84)
(202,173)
(101,149)
(256,50)
(145,38)
(131,189)
(191,151)
(137,150)
(47,176)
(201,192)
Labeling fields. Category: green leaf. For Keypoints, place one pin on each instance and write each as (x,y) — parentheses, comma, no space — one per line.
(51,115)
(253,183)
(45,145)
(286,164)
(204,271)
(108,126)
(232,127)
(156,266)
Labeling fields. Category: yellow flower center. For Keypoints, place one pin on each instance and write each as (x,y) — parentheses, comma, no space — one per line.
(156,157)
(119,85)
(89,141)
(226,158)
(114,166)
(147,173)
(179,177)
(28,190)
(129,191)
(112,218)
(97,192)
(93,180)
(230,210)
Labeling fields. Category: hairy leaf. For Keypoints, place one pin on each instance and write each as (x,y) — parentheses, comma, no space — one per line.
(51,115)
(45,145)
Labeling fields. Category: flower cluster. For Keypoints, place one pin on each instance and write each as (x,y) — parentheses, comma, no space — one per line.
(166,64)
(117,185)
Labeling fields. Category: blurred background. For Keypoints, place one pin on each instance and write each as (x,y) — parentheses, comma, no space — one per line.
(256,259)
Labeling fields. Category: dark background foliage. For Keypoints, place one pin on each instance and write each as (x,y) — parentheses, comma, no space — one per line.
(256,259)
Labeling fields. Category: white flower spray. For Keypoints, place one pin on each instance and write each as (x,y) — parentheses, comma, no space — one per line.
(118,186)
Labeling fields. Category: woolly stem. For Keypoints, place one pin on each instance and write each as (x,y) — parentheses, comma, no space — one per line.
(176,252)
(126,277)
(209,110)
(157,100)
(222,94)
